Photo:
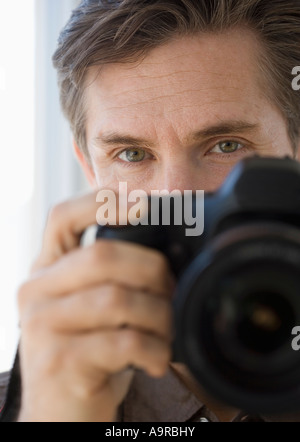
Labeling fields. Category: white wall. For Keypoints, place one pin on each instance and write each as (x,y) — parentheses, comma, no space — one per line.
(17,158)
(37,166)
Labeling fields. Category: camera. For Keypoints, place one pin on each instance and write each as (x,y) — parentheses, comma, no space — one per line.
(237,297)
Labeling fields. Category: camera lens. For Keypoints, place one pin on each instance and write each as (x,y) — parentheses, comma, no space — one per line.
(235,307)
(265,321)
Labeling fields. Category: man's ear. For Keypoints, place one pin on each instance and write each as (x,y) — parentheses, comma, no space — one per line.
(87,168)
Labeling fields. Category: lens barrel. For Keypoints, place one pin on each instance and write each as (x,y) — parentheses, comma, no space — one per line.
(235,308)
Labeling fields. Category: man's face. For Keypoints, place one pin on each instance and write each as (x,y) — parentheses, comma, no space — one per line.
(182,117)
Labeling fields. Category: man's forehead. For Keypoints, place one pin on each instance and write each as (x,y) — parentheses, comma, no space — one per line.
(191,83)
(208,59)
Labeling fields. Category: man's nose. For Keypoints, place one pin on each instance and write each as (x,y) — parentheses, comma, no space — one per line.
(179,177)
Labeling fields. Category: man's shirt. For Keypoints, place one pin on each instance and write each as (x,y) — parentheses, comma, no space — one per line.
(169,400)
(4,380)
(148,400)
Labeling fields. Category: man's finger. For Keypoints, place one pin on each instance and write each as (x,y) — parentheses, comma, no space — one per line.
(68,221)
(105,307)
(124,263)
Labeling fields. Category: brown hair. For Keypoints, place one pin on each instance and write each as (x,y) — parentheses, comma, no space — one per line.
(109,31)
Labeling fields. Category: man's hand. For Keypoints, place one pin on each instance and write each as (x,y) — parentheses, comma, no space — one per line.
(88,316)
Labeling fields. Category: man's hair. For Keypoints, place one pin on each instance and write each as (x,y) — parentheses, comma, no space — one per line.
(100,32)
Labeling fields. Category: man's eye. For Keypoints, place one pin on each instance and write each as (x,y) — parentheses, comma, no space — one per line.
(132,155)
(227,147)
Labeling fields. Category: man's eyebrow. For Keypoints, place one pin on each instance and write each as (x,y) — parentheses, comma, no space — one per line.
(114,138)
(224,128)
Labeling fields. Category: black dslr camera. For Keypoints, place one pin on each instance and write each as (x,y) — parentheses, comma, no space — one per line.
(238,293)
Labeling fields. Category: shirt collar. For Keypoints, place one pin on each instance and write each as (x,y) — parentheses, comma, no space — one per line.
(159,400)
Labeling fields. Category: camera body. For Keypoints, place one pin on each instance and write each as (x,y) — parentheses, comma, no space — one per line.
(238,284)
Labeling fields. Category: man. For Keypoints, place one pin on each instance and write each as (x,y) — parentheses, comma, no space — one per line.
(162,95)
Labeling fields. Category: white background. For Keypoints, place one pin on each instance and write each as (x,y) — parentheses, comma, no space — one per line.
(37,164)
